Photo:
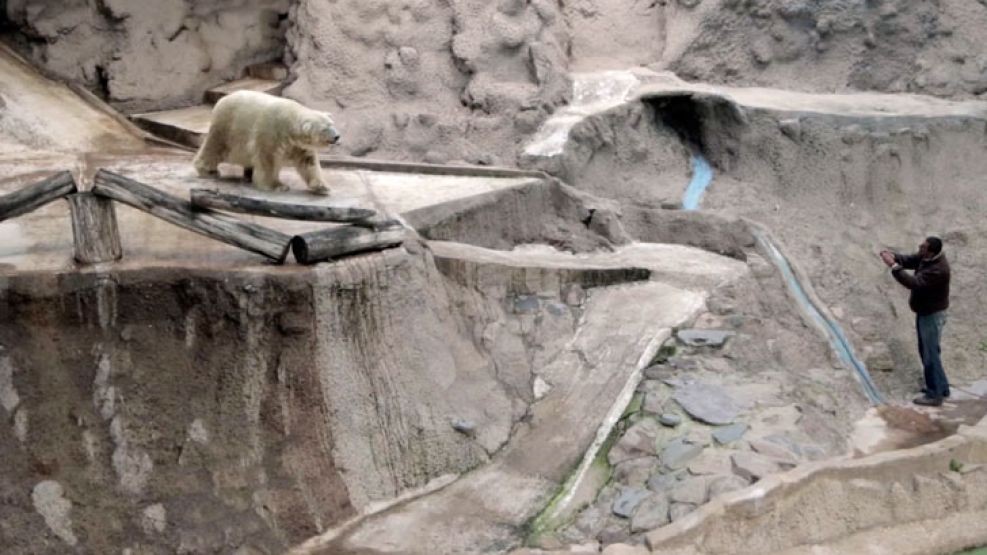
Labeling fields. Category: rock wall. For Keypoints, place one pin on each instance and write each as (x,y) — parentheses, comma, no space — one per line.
(189,411)
(411,79)
(933,48)
(144,55)
(839,190)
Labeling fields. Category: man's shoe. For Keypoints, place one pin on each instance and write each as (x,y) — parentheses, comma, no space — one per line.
(925,392)
(928,401)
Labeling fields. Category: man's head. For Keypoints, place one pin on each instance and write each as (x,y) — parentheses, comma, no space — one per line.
(930,247)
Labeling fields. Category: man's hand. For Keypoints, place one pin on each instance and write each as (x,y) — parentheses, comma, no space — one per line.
(888,258)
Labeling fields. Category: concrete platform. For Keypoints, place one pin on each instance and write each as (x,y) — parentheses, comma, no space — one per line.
(268,86)
(42,240)
(186,126)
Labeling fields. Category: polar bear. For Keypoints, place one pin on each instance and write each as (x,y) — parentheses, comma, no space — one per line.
(262,133)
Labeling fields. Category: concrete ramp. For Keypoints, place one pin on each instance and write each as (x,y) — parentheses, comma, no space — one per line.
(39,114)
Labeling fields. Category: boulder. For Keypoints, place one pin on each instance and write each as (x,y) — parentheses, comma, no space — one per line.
(651,513)
(640,440)
(634,472)
(678,453)
(774,450)
(711,462)
(669,419)
(707,403)
(704,338)
(726,484)
(679,510)
(628,501)
(691,490)
(752,466)
(725,435)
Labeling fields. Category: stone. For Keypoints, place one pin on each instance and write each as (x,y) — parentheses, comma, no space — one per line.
(154,519)
(678,453)
(762,52)
(625,549)
(689,3)
(656,372)
(654,403)
(628,501)
(772,449)
(680,363)
(679,510)
(50,502)
(700,435)
(791,128)
(540,388)
(466,427)
(691,490)
(711,462)
(704,338)
(615,532)
(725,435)
(726,484)
(651,513)
(591,521)
(669,419)
(634,472)
(662,482)
(400,119)
(409,56)
(707,403)
(640,440)
(752,466)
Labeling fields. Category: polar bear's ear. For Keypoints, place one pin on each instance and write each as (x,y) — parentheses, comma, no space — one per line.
(307,128)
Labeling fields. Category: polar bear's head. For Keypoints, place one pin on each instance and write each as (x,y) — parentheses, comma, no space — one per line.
(318,130)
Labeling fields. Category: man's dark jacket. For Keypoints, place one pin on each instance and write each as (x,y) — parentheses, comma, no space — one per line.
(929,285)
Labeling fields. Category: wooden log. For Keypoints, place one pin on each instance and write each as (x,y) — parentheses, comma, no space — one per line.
(205,198)
(94,229)
(248,236)
(317,246)
(37,195)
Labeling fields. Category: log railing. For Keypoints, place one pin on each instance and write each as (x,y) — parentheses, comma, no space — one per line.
(96,236)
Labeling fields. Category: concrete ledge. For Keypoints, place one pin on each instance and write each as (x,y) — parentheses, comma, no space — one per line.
(825,505)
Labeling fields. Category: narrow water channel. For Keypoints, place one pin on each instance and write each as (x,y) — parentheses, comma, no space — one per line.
(702,176)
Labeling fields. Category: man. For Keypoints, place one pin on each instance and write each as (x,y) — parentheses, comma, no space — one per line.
(929,300)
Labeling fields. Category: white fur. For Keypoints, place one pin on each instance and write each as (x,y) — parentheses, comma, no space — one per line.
(263,133)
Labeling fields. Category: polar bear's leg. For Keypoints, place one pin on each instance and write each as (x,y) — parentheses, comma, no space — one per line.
(210,155)
(265,174)
(310,172)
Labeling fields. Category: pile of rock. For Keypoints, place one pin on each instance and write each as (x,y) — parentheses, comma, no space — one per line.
(685,441)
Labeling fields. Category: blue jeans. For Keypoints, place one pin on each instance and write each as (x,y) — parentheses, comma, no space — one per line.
(929,329)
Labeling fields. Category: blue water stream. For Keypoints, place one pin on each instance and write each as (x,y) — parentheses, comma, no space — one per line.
(702,176)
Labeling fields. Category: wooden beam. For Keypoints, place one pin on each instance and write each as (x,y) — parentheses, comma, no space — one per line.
(94,229)
(37,195)
(350,163)
(317,246)
(206,198)
(247,236)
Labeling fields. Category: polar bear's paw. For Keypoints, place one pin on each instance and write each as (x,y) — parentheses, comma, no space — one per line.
(318,189)
(206,171)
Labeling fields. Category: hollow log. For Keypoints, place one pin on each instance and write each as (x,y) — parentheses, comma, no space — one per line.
(94,229)
(248,236)
(37,195)
(205,198)
(318,246)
